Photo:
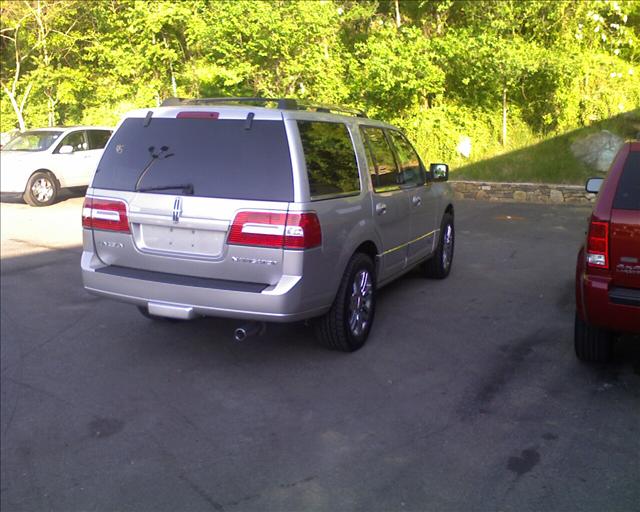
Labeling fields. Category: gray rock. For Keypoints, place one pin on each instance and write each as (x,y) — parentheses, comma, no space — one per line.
(598,149)
(556,196)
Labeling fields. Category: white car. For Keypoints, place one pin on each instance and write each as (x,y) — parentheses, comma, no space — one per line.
(38,163)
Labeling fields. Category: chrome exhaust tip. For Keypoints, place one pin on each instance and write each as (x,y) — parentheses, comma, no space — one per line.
(249,329)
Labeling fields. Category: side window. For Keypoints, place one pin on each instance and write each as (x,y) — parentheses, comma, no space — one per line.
(98,138)
(628,193)
(331,161)
(410,168)
(77,140)
(370,163)
(386,177)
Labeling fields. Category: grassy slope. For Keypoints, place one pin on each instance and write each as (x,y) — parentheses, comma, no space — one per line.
(549,160)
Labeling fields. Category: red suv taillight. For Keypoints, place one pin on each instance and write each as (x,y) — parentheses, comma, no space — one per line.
(105,214)
(598,244)
(276,229)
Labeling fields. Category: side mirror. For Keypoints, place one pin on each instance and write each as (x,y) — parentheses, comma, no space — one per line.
(593,185)
(439,172)
(65,150)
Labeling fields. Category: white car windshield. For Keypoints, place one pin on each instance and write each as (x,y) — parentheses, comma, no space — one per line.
(33,141)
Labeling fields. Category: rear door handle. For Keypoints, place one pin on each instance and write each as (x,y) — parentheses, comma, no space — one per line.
(381,208)
(416,200)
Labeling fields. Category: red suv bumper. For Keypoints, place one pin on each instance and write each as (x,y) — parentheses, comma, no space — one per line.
(601,304)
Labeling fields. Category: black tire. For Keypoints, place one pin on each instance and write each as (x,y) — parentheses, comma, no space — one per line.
(334,330)
(592,344)
(439,265)
(145,313)
(42,189)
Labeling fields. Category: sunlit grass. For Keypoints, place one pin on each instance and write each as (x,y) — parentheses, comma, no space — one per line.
(548,160)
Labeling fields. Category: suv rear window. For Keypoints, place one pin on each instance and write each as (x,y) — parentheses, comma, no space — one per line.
(331,162)
(222,158)
(628,193)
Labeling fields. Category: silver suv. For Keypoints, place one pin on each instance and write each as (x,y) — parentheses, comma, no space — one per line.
(221,207)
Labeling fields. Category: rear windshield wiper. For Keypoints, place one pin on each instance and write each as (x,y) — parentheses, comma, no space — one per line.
(187,188)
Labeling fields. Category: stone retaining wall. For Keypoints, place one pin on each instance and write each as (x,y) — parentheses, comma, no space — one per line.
(522,192)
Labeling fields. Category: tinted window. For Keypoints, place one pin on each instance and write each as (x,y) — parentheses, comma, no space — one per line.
(386,177)
(219,158)
(410,169)
(331,162)
(370,163)
(76,140)
(98,138)
(628,193)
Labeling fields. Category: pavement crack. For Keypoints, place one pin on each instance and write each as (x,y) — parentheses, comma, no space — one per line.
(202,493)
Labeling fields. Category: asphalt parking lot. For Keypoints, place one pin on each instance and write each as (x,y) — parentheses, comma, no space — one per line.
(467,396)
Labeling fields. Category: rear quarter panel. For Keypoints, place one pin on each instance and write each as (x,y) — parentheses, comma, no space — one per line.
(346,223)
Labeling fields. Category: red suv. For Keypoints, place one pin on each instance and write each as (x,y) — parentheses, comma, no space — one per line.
(608,268)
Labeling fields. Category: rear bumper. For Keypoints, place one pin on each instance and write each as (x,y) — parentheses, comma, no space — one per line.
(613,308)
(185,297)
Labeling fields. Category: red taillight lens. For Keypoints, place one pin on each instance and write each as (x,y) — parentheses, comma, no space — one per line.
(86,212)
(598,244)
(302,231)
(264,229)
(276,229)
(105,214)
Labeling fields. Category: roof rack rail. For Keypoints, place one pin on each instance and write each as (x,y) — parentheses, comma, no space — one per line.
(282,103)
(333,108)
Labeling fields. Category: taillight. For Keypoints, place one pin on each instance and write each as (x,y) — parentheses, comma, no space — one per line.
(105,214)
(302,231)
(598,244)
(276,229)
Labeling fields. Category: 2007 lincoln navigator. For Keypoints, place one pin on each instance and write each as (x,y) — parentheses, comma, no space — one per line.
(221,207)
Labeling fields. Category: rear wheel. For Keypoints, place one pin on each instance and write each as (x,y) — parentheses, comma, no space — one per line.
(347,324)
(42,189)
(592,344)
(439,265)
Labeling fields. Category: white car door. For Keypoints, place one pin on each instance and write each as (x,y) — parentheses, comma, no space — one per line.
(71,168)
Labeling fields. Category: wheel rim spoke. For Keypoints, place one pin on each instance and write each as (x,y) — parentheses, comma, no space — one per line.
(360,303)
(42,190)
(447,248)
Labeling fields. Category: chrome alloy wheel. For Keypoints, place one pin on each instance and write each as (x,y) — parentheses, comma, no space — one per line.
(447,247)
(360,302)
(42,190)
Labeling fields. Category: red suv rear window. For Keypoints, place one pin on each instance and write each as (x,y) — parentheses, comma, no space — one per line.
(628,193)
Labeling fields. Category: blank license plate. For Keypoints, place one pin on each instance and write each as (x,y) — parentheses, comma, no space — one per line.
(183,240)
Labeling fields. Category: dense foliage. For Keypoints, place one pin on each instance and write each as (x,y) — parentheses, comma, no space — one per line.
(503,73)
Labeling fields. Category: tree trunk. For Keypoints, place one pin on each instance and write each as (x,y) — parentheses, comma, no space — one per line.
(398,20)
(52,112)
(174,86)
(16,108)
(504,117)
